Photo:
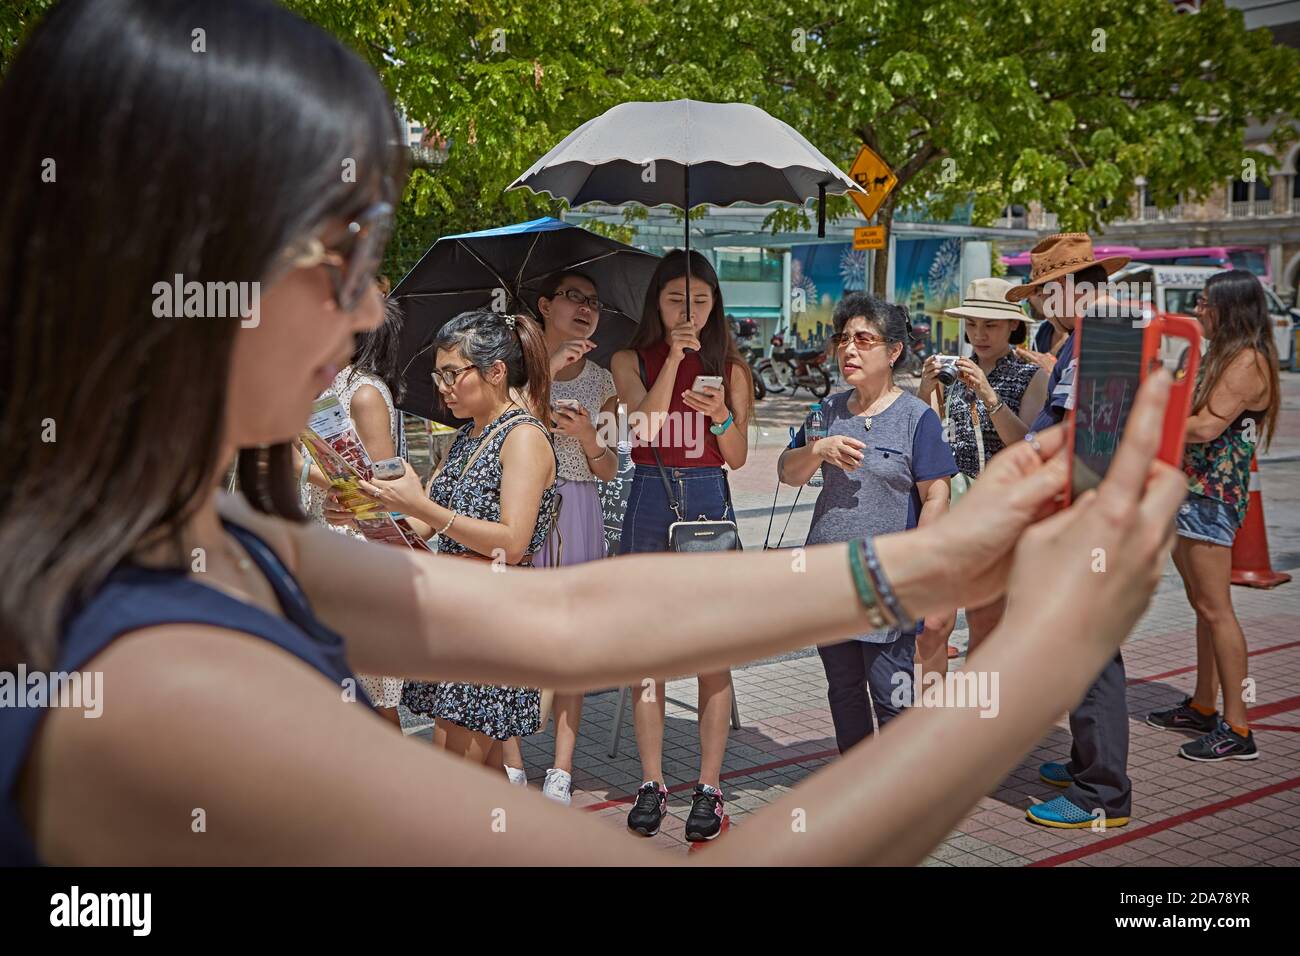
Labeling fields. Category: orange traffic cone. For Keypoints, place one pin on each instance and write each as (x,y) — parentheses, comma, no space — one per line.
(1250,561)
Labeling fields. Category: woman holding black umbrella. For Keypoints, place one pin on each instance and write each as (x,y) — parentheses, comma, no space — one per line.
(691,434)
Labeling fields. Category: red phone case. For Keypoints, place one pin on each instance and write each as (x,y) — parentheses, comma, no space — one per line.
(1174,431)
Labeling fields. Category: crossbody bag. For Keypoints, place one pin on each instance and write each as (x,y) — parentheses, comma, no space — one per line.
(702,534)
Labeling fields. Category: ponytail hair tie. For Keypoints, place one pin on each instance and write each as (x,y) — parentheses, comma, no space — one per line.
(510,322)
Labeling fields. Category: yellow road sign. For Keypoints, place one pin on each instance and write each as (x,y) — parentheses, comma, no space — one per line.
(869,237)
(874,175)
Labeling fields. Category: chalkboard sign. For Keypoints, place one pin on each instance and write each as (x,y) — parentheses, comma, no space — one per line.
(613,499)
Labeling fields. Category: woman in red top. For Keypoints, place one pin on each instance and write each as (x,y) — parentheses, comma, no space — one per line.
(695,431)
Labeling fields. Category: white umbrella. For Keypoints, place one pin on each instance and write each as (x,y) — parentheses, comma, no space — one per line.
(686,153)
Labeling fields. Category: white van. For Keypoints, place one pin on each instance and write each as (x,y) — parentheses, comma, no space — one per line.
(1175,288)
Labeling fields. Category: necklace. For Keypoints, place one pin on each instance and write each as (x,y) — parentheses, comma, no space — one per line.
(869,413)
(240,559)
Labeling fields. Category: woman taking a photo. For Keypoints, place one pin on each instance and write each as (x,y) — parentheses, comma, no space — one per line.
(1235,408)
(366,389)
(684,439)
(885,467)
(491,498)
(990,405)
(250,654)
(582,393)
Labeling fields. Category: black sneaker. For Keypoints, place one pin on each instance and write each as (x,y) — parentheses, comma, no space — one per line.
(648,811)
(1184,717)
(1224,743)
(705,819)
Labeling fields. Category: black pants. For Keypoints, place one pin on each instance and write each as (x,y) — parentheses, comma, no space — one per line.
(1099,754)
(854,666)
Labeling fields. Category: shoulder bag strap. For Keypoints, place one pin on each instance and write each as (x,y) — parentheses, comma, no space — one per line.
(668,488)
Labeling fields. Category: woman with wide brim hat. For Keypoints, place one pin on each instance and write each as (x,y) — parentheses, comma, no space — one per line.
(989,405)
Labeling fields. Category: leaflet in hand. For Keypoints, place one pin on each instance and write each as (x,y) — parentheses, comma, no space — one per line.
(334,445)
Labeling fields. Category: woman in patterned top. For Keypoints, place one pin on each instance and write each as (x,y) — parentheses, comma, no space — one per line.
(582,394)
(492,497)
(990,405)
(1236,404)
(366,389)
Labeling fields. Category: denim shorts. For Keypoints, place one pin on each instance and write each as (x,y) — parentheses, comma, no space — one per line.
(1207,519)
(700,491)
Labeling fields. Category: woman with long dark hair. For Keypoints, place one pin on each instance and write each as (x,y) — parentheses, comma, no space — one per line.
(1234,411)
(682,438)
(224,167)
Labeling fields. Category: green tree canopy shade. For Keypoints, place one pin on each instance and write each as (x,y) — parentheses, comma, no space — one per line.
(996,102)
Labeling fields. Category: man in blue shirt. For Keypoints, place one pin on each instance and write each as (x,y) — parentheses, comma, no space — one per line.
(1065,278)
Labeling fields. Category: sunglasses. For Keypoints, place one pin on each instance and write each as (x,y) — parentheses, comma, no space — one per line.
(448,376)
(354,261)
(577,298)
(863,340)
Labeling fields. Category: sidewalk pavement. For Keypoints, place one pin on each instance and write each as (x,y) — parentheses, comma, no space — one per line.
(1184,813)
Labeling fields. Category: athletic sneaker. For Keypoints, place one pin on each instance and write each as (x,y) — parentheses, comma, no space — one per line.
(648,811)
(558,785)
(1224,743)
(1064,814)
(1184,717)
(518,776)
(705,819)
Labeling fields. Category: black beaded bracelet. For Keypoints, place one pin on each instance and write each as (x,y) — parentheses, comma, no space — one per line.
(883,587)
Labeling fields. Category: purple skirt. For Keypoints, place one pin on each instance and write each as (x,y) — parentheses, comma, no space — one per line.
(580,528)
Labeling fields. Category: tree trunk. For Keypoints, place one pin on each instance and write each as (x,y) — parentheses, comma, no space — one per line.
(880,272)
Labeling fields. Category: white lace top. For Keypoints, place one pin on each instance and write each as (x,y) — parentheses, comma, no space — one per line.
(313,498)
(593,387)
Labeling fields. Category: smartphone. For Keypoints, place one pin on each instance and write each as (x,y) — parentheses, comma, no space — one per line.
(572,404)
(387,469)
(706,381)
(1116,353)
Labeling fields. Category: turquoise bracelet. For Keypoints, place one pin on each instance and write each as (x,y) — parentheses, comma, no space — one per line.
(866,593)
(719,429)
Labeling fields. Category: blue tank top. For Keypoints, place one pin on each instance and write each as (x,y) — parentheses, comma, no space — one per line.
(135,597)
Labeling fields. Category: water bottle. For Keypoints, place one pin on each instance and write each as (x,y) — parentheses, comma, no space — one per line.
(815,428)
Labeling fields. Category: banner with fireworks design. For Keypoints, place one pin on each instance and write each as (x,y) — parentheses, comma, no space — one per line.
(820,274)
(927,279)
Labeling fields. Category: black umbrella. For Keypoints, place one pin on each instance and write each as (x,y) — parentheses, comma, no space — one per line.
(504,269)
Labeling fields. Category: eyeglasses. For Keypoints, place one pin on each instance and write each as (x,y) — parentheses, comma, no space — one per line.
(448,376)
(577,298)
(354,262)
(862,340)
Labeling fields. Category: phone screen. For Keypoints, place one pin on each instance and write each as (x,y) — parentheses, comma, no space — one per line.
(1106,381)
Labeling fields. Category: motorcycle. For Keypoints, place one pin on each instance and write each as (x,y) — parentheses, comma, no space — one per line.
(920,350)
(793,370)
(746,332)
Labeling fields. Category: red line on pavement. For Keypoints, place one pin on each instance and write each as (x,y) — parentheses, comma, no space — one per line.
(744,771)
(1192,667)
(1153,828)
(1289,730)
(1272,710)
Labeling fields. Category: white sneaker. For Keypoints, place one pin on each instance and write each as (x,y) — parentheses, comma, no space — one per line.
(558,786)
(518,777)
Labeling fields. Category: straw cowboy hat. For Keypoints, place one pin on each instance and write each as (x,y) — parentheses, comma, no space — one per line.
(1058,256)
(987,299)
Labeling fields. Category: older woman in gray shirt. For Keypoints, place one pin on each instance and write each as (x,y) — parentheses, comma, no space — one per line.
(885,468)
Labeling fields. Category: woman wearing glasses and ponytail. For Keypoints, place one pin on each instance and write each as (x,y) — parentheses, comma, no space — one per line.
(492,497)
(885,467)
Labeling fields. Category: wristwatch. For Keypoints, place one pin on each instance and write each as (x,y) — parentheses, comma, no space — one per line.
(719,429)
